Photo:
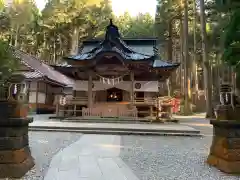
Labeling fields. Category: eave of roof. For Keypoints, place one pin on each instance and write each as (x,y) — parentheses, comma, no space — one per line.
(128,41)
(113,43)
(128,56)
(163,64)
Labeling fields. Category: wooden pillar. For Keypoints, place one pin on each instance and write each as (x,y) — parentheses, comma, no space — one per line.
(158,103)
(90,94)
(75,110)
(57,108)
(57,99)
(74,106)
(28,90)
(37,90)
(132,88)
(151,111)
(46,93)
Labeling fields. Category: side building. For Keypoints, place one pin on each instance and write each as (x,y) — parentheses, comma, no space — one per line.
(44,85)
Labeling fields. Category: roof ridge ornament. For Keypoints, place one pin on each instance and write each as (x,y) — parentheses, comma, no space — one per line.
(112,32)
(110,22)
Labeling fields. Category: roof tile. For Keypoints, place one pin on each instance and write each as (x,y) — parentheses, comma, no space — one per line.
(32,75)
(42,69)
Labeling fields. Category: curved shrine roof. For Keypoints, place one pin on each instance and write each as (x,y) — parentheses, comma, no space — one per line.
(132,49)
(131,55)
(112,43)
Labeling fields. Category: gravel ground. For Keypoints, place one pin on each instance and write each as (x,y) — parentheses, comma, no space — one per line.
(44,145)
(170,158)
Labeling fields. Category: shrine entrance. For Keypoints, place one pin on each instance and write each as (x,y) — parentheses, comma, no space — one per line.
(114,95)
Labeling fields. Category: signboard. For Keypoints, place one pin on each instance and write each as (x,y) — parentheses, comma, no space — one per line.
(138,85)
(62,100)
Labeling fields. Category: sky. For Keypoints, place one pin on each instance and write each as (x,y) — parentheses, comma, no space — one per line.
(134,7)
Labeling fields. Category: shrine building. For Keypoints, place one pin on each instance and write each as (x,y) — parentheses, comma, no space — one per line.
(115,77)
(42,85)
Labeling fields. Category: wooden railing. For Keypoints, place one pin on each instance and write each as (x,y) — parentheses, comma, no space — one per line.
(113,112)
(77,100)
(137,101)
(84,100)
(147,101)
(123,109)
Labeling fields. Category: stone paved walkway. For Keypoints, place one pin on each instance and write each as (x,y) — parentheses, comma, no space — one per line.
(92,157)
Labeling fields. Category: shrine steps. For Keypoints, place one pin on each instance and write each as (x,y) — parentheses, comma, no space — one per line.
(110,132)
(126,120)
(116,129)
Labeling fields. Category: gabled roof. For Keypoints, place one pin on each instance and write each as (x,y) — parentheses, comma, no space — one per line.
(114,44)
(41,69)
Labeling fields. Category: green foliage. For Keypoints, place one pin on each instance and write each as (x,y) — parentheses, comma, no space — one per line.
(226,5)
(8,62)
(1,5)
(166,11)
(232,40)
(140,26)
(49,34)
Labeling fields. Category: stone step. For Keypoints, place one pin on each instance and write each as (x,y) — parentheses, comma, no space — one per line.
(111,132)
(114,127)
(145,129)
(118,131)
(116,121)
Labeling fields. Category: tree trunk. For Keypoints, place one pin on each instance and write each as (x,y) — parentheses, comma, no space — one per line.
(187,108)
(216,79)
(195,64)
(11,37)
(54,50)
(181,57)
(45,47)
(16,36)
(74,41)
(60,45)
(206,64)
(218,74)
(171,83)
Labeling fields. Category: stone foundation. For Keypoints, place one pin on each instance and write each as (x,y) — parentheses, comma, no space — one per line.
(225,149)
(227,112)
(15,155)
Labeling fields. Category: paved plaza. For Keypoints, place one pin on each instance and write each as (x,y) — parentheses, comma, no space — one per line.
(76,156)
(88,157)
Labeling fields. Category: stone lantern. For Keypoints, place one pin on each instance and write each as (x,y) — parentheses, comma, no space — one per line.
(225,148)
(16,159)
